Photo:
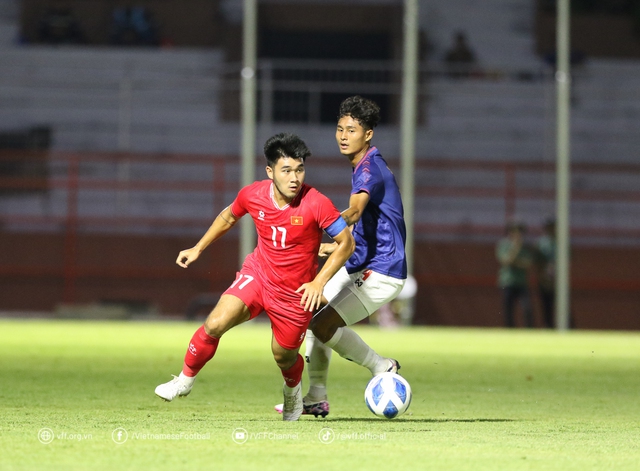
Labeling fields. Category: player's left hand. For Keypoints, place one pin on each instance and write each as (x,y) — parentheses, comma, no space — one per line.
(326,249)
(311,296)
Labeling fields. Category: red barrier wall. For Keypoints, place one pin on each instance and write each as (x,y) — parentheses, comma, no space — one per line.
(458,286)
(457,281)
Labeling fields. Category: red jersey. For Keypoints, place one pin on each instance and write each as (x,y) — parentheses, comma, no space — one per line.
(288,237)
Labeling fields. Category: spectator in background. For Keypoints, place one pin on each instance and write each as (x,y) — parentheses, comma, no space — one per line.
(59,26)
(133,26)
(515,258)
(460,58)
(545,266)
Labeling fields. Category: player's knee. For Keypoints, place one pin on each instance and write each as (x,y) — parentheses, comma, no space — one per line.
(322,330)
(213,327)
(285,359)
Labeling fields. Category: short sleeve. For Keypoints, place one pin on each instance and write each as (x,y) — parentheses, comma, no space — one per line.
(239,206)
(327,214)
(366,180)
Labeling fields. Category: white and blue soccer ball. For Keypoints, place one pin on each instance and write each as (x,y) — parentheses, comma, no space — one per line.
(388,395)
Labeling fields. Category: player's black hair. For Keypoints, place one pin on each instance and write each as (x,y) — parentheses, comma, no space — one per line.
(363,110)
(285,144)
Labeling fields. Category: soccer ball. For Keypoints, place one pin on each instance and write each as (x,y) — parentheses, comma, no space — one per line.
(388,395)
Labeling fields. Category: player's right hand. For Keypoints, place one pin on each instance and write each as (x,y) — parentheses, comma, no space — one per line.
(187,256)
(311,296)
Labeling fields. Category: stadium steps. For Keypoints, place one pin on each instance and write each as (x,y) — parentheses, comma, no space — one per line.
(467,119)
(77,91)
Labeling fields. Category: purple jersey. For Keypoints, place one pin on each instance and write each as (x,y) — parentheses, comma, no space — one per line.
(380,234)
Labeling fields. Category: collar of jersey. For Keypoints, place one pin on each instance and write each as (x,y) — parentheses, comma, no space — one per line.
(275,203)
(366,156)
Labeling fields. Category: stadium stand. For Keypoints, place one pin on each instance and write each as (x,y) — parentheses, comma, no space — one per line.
(486,145)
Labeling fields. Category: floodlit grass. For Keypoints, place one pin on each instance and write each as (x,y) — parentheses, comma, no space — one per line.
(483,400)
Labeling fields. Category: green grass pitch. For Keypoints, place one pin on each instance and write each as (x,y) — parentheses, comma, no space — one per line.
(484,399)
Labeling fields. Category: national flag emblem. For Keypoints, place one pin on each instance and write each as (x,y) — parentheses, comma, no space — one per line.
(296,220)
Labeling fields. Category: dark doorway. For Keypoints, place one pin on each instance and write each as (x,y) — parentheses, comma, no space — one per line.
(299,105)
(324,45)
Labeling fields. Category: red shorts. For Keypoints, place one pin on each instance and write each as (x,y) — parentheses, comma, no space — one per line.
(289,321)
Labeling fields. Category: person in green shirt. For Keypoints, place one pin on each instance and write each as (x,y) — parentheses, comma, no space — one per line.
(545,264)
(515,258)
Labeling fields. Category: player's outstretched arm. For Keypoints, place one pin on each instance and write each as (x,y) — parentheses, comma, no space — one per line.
(312,291)
(357,203)
(218,228)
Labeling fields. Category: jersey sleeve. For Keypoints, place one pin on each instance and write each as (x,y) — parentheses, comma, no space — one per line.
(328,216)
(239,206)
(367,180)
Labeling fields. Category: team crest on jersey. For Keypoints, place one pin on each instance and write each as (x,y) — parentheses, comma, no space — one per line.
(261,215)
(296,220)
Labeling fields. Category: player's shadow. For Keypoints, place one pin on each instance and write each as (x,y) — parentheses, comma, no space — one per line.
(427,420)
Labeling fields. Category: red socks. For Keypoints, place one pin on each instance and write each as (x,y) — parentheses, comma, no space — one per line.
(293,375)
(201,349)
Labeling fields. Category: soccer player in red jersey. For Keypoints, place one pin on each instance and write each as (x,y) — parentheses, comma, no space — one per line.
(280,276)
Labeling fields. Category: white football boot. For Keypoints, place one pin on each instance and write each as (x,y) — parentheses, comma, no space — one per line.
(174,388)
(292,407)
(394,366)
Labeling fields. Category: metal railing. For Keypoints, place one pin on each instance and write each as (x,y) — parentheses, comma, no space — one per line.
(176,195)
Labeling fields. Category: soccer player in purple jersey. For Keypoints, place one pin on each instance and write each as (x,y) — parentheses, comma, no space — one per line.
(375,273)
(280,276)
